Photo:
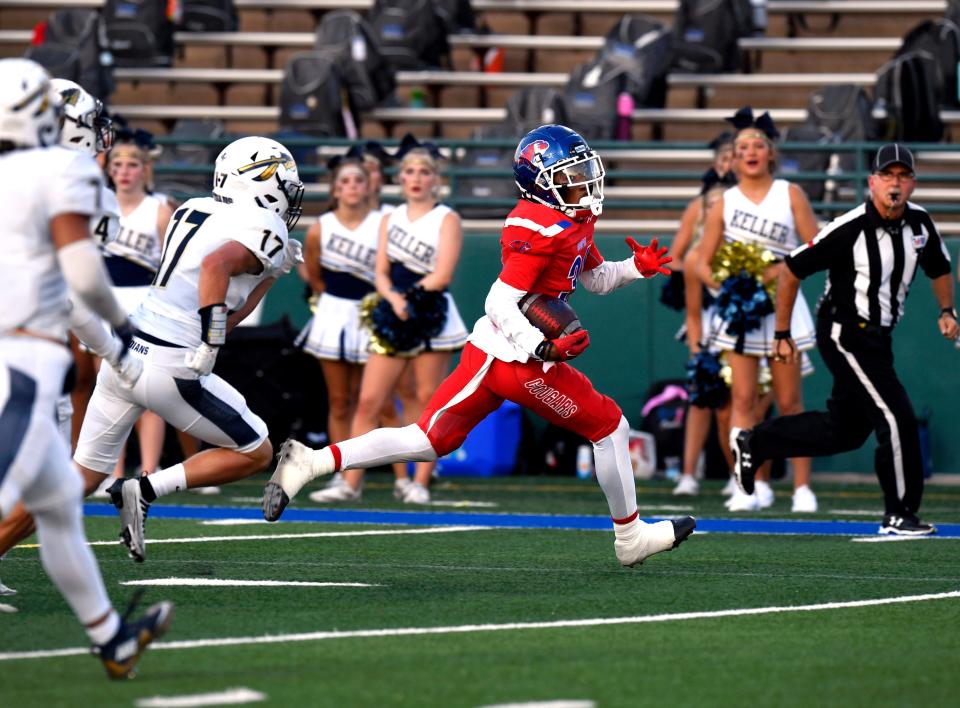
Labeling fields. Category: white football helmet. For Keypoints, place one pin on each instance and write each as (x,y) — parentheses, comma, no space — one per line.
(86,125)
(29,107)
(262,171)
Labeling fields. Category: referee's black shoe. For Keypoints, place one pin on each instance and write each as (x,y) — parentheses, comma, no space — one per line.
(744,462)
(905,525)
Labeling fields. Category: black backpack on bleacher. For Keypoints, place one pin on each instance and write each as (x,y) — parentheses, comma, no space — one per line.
(907,99)
(706,34)
(642,47)
(139,32)
(74,48)
(457,15)
(590,97)
(311,96)
(411,34)
(531,107)
(209,16)
(815,161)
(347,38)
(941,39)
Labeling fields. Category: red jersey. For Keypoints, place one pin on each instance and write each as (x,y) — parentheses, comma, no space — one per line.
(544,251)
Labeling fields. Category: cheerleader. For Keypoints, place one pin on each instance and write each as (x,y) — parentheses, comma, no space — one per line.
(133,257)
(340,252)
(773,215)
(419,245)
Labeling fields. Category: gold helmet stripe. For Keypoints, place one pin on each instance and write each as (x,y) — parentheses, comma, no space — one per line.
(270,166)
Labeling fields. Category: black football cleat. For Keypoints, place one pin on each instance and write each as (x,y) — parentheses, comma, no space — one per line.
(744,462)
(121,654)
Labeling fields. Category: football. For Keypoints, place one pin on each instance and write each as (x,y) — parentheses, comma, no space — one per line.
(551,315)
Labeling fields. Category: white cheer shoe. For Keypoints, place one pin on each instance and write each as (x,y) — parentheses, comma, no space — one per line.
(687,486)
(804,500)
(742,502)
(764,494)
(416,493)
(338,490)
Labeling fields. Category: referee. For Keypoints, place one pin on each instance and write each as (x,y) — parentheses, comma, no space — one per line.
(872,254)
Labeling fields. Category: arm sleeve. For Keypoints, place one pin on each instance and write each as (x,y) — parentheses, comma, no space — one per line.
(83,269)
(610,275)
(822,250)
(501,307)
(935,259)
(94,333)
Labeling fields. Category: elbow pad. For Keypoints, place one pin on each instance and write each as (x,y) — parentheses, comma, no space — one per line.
(83,269)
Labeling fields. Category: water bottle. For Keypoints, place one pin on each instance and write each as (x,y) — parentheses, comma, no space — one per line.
(672,471)
(624,116)
(759,18)
(584,462)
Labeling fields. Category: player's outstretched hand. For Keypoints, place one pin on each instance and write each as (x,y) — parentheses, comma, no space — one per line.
(292,256)
(202,358)
(563,348)
(651,259)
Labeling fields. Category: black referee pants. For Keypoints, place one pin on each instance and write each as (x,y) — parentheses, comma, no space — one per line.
(867,397)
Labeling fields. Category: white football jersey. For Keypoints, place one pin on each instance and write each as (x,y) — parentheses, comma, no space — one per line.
(105,224)
(198,227)
(35,186)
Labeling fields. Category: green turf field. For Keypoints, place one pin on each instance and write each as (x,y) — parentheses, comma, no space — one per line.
(437,582)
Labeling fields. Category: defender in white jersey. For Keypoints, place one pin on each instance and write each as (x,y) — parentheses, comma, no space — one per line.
(48,195)
(222,254)
(777,216)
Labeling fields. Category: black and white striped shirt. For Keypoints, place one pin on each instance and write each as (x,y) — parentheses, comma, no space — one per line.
(872,262)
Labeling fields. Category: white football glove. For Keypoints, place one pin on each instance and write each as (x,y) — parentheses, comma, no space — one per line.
(292,256)
(128,369)
(201,359)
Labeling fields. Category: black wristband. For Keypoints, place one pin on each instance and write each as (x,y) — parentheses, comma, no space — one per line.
(541,350)
(781,334)
(948,311)
(213,324)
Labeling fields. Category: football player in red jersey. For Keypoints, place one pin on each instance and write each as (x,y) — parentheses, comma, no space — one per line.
(547,246)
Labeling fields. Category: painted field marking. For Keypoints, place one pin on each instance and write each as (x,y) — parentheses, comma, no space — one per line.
(888,539)
(857,512)
(226,582)
(229,697)
(562,703)
(281,536)
(464,504)
(234,522)
(511,626)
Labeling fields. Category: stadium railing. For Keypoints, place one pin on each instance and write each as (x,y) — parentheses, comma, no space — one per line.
(639,183)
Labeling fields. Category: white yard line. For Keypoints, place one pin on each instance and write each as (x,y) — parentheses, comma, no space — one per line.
(562,703)
(234,522)
(281,536)
(226,582)
(513,626)
(857,512)
(229,697)
(888,539)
